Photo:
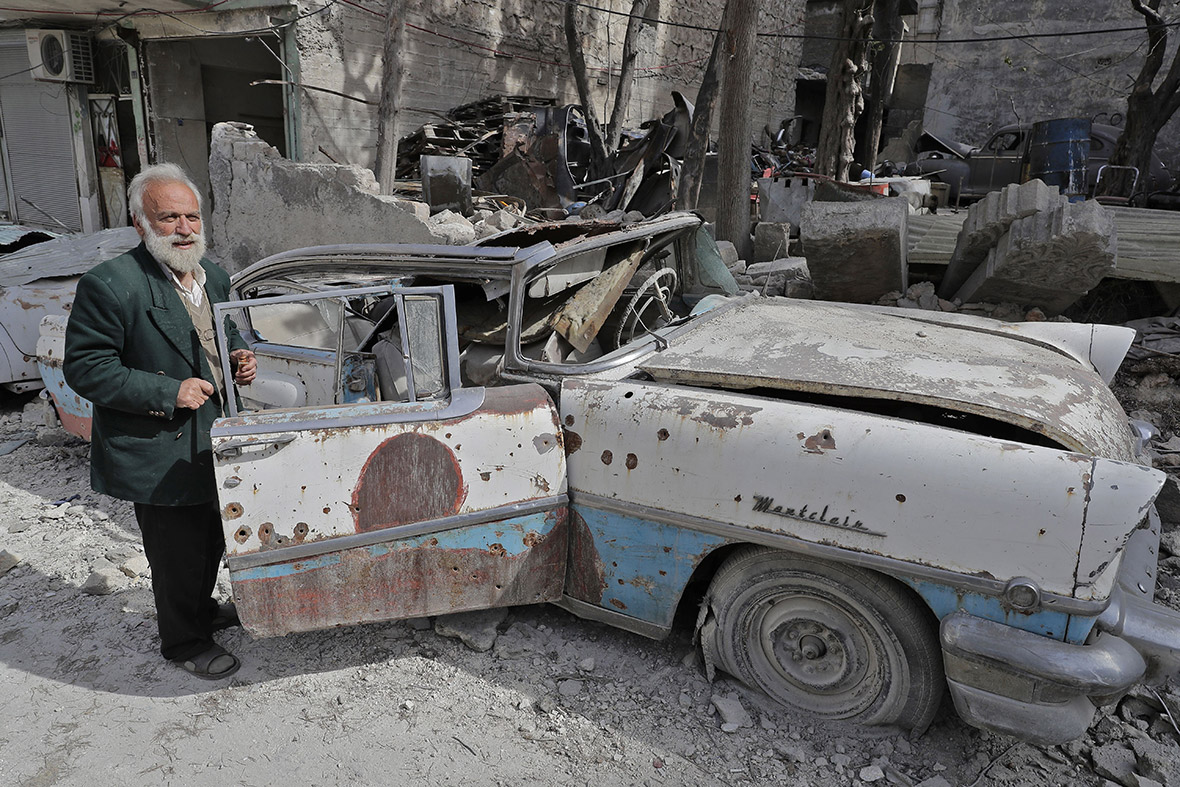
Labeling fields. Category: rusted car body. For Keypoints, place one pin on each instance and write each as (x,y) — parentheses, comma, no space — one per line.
(37,282)
(863,506)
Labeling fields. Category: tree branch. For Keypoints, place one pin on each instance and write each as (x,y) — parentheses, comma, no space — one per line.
(578,64)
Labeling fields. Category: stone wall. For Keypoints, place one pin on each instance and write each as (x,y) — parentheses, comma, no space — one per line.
(460,51)
(264,204)
(978,87)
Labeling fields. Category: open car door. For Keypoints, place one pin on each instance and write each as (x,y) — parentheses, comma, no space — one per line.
(398,493)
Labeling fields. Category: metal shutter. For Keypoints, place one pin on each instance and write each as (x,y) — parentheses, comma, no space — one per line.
(37,129)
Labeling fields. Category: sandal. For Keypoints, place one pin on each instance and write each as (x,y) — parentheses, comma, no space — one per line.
(201,664)
(227,617)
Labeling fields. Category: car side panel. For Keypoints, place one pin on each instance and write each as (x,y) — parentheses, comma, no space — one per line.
(357,513)
(938,499)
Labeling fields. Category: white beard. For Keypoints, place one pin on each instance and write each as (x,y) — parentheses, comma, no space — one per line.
(180,260)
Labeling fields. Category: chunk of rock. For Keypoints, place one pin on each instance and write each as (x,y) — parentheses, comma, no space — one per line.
(871,773)
(1157,761)
(1115,762)
(771,240)
(569,688)
(452,228)
(518,641)
(104,581)
(476,630)
(789,752)
(733,715)
(135,566)
(8,561)
(856,250)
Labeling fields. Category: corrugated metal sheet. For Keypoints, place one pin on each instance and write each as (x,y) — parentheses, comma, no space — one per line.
(66,256)
(37,128)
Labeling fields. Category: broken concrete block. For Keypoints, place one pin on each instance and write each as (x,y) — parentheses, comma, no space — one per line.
(732,713)
(264,203)
(454,229)
(855,250)
(729,254)
(788,276)
(771,240)
(135,566)
(476,630)
(104,581)
(987,221)
(8,561)
(1048,259)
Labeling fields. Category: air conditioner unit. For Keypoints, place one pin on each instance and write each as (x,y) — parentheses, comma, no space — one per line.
(61,55)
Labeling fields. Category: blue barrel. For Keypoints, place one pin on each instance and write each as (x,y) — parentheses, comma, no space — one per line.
(1058,151)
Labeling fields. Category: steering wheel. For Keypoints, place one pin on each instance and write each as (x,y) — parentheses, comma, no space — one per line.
(656,288)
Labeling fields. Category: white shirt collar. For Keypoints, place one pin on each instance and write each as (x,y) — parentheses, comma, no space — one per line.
(197,293)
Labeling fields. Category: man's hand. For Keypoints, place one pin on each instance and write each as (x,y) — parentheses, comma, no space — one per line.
(193,393)
(245,366)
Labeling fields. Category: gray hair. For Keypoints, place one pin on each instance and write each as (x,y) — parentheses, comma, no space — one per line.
(156,173)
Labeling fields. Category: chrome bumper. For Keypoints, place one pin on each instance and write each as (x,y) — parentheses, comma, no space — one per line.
(1045,691)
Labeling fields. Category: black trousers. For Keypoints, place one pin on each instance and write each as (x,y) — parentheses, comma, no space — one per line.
(183,545)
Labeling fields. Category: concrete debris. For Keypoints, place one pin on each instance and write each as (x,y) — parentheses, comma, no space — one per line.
(733,714)
(788,276)
(855,250)
(8,561)
(1050,258)
(569,688)
(451,228)
(729,254)
(934,781)
(264,203)
(871,773)
(104,581)
(476,630)
(1115,762)
(988,221)
(136,566)
(1157,761)
(772,240)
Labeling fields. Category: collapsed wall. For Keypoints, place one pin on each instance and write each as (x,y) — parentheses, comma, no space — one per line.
(264,203)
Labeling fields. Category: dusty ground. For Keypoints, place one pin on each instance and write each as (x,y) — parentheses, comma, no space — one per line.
(85,698)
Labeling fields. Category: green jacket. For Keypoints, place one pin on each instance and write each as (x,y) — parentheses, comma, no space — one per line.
(129,344)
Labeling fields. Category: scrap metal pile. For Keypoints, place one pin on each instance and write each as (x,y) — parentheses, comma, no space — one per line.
(532,149)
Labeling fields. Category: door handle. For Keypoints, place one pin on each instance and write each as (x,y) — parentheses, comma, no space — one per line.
(233,448)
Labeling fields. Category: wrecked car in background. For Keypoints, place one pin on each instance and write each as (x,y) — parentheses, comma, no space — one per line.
(861,506)
(39,281)
(1004,158)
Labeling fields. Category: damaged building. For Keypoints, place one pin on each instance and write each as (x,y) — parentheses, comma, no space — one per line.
(125,88)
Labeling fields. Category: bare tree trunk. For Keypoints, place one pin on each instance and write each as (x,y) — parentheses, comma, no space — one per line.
(843,101)
(692,168)
(733,166)
(392,69)
(887,31)
(614,131)
(1147,109)
(598,154)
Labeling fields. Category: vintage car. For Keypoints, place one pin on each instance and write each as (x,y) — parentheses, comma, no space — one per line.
(859,506)
(1003,159)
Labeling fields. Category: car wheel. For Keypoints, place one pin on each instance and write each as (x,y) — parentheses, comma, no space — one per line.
(833,640)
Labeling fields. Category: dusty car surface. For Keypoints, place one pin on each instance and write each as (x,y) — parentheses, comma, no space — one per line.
(1003,160)
(37,282)
(860,506)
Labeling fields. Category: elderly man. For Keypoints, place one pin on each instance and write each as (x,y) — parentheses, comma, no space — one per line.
(140,345)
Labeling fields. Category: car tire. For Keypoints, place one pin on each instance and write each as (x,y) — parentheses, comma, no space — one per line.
(835,641)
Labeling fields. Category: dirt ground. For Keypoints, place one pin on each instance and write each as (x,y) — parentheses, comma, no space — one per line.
(86,699)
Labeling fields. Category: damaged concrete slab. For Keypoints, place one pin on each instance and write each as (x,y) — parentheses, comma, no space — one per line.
(1050,258)
(856,250)
(987,221)
(264,203)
